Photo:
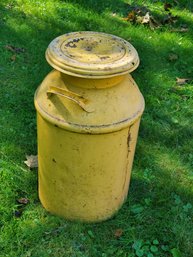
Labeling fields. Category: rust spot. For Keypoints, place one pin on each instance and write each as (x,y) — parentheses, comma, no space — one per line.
(104,57)
(71,55)
(129,139)
(76,40)
(71,44)
(88,48)
(54,160)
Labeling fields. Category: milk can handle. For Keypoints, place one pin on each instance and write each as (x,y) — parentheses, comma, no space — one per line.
(78,99)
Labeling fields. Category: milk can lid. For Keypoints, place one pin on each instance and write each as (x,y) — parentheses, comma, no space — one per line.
(92,54)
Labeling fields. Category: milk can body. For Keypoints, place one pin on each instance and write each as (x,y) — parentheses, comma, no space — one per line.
(88,115)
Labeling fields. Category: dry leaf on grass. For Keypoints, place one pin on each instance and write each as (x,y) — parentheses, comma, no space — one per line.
(173,57)
(153,23)
(32,161)
(146,18)
(118,233)
(183,81)
(13,57)
(114,14)
(14,49)
(23,201)
(130,17)
(141,15)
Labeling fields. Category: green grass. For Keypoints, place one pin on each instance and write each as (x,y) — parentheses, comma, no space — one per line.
(157,219)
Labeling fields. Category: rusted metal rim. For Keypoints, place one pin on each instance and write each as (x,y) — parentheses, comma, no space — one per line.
(92,54)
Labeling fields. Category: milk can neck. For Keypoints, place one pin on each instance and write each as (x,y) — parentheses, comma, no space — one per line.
(91,83)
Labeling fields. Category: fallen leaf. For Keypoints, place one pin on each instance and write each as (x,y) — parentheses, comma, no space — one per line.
(130,16)
(182,81)
(146,18)
(23,201)
(32,161)
(167,7)
(114,14)
(14,49)
(13,57)
(139,19)
(118,233)
(141,15)
(153,23)
(173,57)
(9,47)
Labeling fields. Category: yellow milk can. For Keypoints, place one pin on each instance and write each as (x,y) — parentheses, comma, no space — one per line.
(88,115)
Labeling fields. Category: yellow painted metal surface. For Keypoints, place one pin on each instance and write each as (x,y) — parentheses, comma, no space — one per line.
(88,115)
(92,54)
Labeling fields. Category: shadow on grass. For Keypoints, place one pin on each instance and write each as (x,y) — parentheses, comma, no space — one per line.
(101,6)
(122,6)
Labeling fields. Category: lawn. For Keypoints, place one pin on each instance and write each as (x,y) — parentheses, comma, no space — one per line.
(157,219)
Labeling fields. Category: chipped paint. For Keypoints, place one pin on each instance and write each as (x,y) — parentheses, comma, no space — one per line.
(95,54)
